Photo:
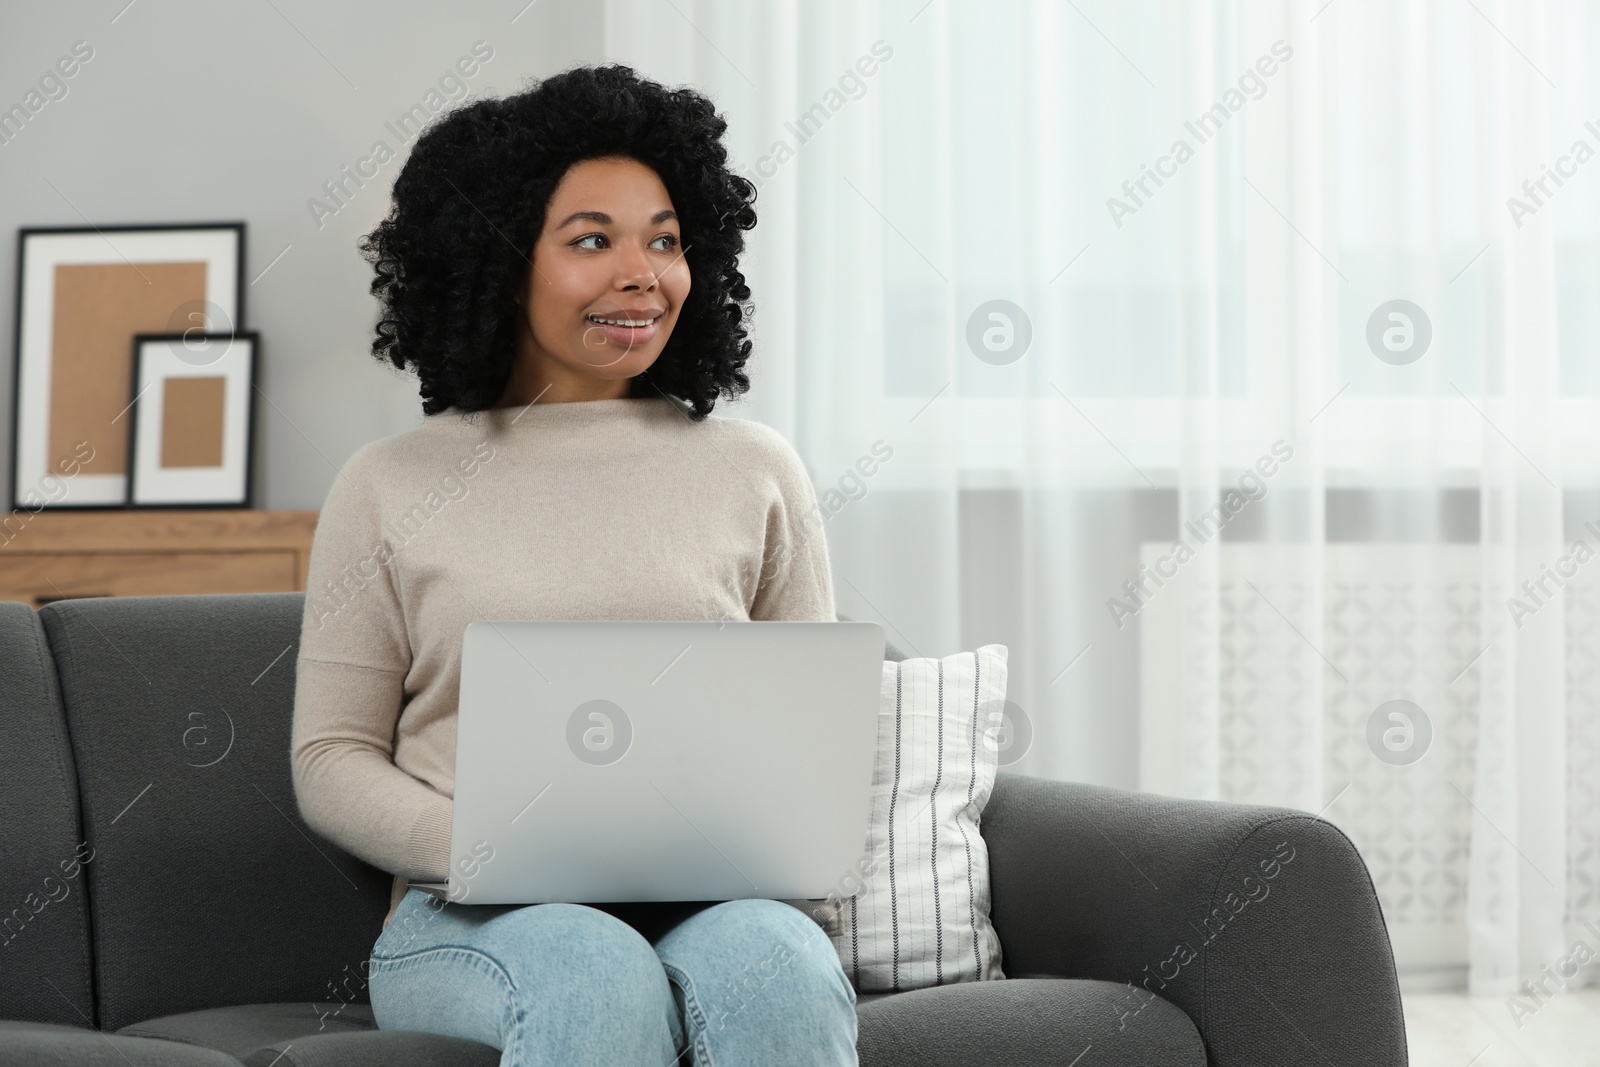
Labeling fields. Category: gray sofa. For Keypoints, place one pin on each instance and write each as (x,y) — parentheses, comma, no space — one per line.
(162,902)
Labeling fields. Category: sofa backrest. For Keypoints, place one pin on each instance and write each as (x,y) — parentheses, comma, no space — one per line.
(206,888)
(45,971)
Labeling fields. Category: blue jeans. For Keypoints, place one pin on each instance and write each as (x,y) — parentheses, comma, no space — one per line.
(735,984)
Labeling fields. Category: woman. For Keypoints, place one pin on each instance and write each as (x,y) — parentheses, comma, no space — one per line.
(560,269)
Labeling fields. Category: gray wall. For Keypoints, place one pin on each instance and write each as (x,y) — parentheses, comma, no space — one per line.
(194,111)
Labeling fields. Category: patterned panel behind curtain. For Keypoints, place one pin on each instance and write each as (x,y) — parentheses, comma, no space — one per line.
(1401,621)
(1583,751)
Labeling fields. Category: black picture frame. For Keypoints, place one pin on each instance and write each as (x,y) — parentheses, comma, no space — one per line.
(246,497)
(23,493)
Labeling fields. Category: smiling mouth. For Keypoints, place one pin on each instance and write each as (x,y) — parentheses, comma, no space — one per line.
(626,333)
(626,322)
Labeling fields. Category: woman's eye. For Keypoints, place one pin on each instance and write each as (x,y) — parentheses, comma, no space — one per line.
(588,237)
(672,242)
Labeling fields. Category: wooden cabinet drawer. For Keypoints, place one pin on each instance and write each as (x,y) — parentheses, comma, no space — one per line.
(57,553)
(41,578)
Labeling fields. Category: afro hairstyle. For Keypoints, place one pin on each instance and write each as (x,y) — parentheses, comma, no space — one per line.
(469,205)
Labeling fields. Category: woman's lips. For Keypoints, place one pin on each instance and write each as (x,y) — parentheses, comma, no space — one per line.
(628,335)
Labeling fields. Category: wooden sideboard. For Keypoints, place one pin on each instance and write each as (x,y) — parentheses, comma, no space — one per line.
(52,554)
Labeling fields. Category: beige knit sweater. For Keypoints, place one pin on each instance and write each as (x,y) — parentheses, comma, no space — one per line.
(600,509)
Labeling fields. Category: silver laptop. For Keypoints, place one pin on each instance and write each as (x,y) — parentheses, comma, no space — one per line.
(613,761)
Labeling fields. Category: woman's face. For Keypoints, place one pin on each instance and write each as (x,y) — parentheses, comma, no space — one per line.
(611,249)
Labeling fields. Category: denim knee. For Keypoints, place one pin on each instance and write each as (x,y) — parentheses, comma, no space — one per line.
(597,973)
(770,941)
(573,946)
(759,982)
(816,962)
(580,985)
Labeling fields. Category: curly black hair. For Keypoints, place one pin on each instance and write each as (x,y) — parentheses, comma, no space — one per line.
(470,203)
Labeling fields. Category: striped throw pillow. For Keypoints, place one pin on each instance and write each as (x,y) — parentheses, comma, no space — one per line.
(915,911)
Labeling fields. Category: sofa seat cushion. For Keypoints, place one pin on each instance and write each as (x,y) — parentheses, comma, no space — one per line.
(27,1044)
(1008,1023)
(1018,1021)
(311,1035)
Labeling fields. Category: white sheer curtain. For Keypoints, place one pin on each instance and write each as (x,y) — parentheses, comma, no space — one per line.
(1111,286)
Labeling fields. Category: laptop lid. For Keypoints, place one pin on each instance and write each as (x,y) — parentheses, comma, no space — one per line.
(603,761)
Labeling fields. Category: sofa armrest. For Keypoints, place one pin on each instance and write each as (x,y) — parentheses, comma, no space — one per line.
(1260,923)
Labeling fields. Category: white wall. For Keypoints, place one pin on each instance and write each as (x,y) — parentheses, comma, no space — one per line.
(195,111)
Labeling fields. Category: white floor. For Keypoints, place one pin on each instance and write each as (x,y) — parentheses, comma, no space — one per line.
(1454,1030)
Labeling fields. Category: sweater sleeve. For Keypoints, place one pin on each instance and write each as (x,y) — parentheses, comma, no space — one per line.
(349,691)
(796,579)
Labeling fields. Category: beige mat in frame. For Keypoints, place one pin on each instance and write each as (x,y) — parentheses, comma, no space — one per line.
(98,308)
